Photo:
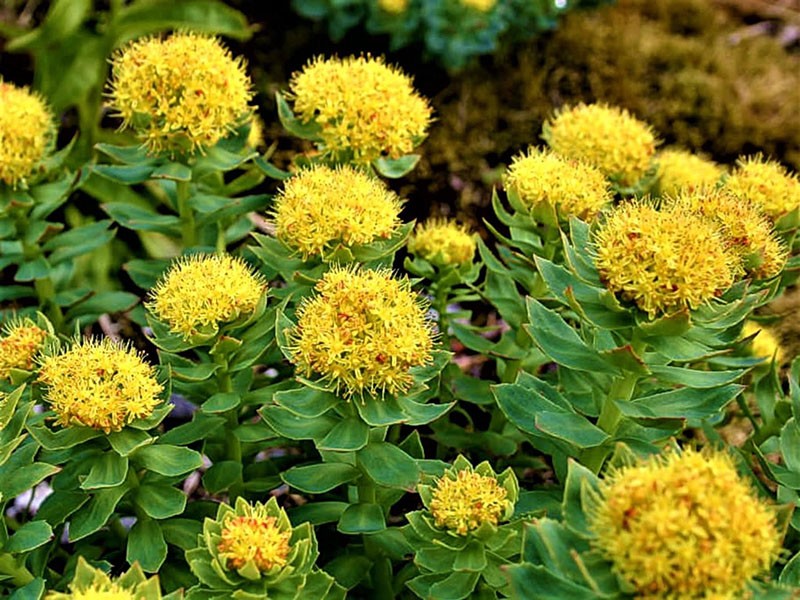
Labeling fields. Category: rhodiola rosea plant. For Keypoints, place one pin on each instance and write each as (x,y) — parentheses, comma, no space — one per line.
(292,417)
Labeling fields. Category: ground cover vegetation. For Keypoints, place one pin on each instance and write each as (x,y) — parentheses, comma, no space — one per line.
(235,369)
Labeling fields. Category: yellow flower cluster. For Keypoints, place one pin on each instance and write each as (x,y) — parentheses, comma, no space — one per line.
(748,232)
(322,207)
(365,108)
(572,187)
(256,538)
(394,7)
(681,171)
(464,503)
(480,5)
(662,260)
(765,344)
(362,332)
(202,291)
(110,590)
(19,345)
(443,242)
(609,138)
(182,93)
(684,526)
(767,184)
(27,133)
(99,384)
(90,583)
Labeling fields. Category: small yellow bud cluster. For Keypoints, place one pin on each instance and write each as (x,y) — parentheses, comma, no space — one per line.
(182,93)
(99,384)
(479,5)
(467,501)
(110,590)
(572,187)
(201,291)
(321,207)
(443,242)
(663,260)
(609,138)
(767,184)
(362,332)
(394,7)
(27,133)
(765,344)
(684,526)
(747,231)
(680,171)
(365,108)
(255,538)
(18,347)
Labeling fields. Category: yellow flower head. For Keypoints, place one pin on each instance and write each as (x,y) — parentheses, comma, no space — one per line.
(765,344)
(749,234)
(256,537)
(609,138)
(572,187)
(19,345)
(202,291)
(443,242)
(99,384)
(394,7)
(681,171)
(365,108)
(362,332)
(27,133)
(323,207)
(182,93)
(662,260)
(464,503)
(684,526)
(90,583)
(767,184)
(480,5)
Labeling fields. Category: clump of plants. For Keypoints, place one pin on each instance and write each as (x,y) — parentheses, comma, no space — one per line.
(316,409)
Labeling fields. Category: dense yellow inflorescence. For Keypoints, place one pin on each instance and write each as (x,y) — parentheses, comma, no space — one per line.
(443,242)
(202,291)
(182,93)
(766,183)
(747,231)
(465,503)
(99,591)
(663,260)
(365,108)
(574,188)
(609,138)
(394,7)
(765,344)
(27,133)
(480,5)
(684,526)
(99,384)
(362,332)
(256,538)
(19,345)
(323,207)
(681,171)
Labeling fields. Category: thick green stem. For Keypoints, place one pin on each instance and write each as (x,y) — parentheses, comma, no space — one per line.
(188,228)
(382,576)
(45,289)
(233,447)
(18,573)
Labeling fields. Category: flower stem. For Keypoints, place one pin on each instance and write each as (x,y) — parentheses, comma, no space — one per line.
(19,574)
(233,447)
(188,228)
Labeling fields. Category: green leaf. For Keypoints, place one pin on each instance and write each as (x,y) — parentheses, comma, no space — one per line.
(394,168)
(32,591)
(572,428)
(173,171)
(129,155)
(349,569)
(37,268)
(560,342)
(471,558)
(306,131)
(93,516)
(126,174)
(361,518)
(578,479)
(62,19)
(78,241)
(209,16)
(200,428)
(181,532)
(271,170)
(103,302)
(126,441)
(108,470)
(146,545)
(142,219)
(348,435)
(694,378)
(294,427)
(536,582)
(380,411)
(160,501)
(164,459)
(683,403)
(222,402)
(222,475)
(307,401)
(317,513)
(318,479)
(388,465)
(28,537)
